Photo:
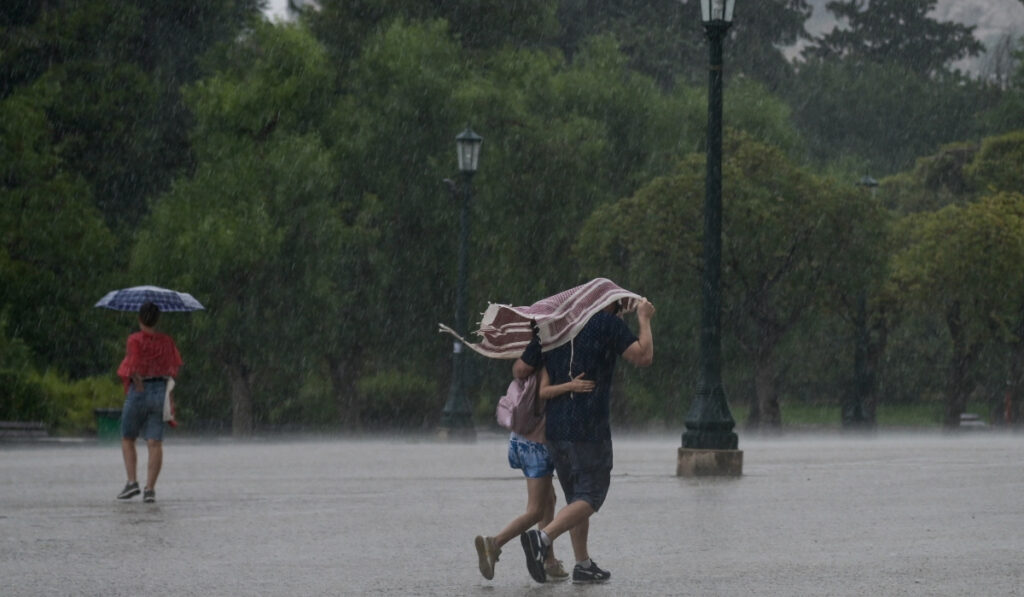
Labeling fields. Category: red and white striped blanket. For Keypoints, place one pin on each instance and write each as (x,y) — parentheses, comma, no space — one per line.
(506,329)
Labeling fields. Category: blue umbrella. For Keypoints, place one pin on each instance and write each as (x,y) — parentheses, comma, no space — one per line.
(130,299)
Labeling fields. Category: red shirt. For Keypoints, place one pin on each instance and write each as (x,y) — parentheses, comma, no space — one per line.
(150,354)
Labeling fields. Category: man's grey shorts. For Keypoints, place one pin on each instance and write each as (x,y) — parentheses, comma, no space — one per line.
(584,469)
(144,412)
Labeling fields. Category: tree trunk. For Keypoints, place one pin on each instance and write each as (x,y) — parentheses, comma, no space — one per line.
(1012,411)
(765,412)
(241,399)
(958,386)
(754,411)
(343,381)
(876,349)
(767,393)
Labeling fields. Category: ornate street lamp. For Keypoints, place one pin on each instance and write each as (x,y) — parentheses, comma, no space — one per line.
(467,143)
(709,443)
(457,415)
(717,12)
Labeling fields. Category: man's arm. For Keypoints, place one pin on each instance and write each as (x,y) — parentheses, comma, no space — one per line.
(641,352)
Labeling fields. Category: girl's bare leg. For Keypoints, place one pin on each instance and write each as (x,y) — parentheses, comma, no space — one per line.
(539,495)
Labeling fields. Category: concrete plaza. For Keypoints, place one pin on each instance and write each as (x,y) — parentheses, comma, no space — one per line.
(922,514)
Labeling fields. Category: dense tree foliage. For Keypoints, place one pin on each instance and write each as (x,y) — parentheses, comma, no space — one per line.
(665,39)
(113,73)
(299,179)
(895,31)
(863,87)
(790,239)
(963,264)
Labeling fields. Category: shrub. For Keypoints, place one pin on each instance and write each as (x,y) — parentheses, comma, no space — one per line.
(74,401)
(23,399)
(393,399)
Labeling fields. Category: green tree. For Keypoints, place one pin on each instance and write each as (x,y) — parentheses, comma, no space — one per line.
(262,231)
(760,30)
(880,91)
(231,234)
(895,31)
(958,173)
(934,182)
(997,166)
(1008,113)
(665,40)
(115,69)
(344,26)
(881,116)
(787,239)
(572,137)
(392,137)
(56,254)
(963,264)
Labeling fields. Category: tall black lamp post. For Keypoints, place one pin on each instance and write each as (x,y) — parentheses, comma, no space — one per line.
(856,413)
(457,416)
(709,443)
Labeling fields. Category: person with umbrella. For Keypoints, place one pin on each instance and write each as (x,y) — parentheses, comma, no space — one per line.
(151,360)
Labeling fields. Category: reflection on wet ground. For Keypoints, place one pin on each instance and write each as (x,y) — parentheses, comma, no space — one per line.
(886,515)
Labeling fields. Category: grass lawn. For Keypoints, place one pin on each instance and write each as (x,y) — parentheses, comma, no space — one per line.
(828,415)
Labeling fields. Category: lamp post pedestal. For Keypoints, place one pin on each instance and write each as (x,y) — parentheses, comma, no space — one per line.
(710,446)
(709,463)
(709,443)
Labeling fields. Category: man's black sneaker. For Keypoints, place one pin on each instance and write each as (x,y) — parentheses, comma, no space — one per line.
(536,552)
(591,574)
(130,490)
(149,496)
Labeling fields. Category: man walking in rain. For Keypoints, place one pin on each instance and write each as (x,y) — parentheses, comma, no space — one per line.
(578,429)
(581,333)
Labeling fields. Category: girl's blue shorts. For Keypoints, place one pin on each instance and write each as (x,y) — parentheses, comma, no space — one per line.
(531,457)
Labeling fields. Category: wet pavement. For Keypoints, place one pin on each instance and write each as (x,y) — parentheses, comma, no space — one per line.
(925,514)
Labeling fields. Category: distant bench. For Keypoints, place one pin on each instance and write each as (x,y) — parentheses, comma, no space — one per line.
(22,429)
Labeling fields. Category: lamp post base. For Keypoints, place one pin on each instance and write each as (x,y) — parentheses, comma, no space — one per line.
(695,462)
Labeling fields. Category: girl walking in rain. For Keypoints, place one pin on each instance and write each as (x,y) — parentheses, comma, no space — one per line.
(529,454)
(151,361)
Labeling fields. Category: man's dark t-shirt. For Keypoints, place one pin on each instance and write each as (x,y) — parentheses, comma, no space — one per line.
(585,416)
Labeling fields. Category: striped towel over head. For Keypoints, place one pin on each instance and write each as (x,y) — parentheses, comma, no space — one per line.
(506,331)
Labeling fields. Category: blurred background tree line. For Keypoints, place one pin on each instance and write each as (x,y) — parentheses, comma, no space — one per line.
(289,175)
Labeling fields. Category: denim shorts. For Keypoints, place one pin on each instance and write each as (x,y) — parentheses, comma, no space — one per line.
(584,470)
(144,412)
(531,457)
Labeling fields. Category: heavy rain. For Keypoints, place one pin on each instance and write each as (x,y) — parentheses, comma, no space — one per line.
(331,181)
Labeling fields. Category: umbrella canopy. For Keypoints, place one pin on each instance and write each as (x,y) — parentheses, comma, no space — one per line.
(130,299)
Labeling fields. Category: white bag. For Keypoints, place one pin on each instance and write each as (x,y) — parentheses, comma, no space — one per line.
(169,404)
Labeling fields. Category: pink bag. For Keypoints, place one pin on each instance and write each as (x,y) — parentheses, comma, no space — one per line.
(520,409)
